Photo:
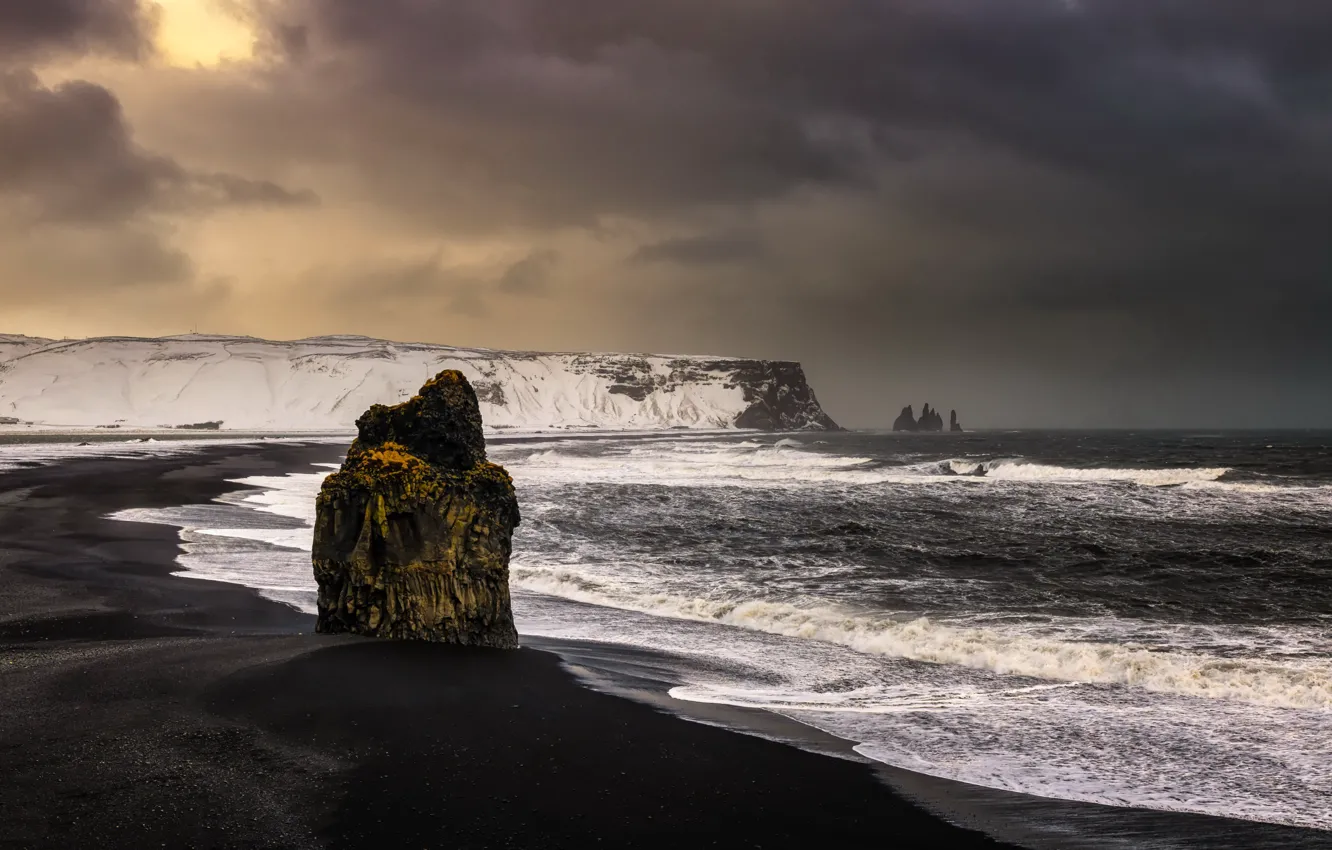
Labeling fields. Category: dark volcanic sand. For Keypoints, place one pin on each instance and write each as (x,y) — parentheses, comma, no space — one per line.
(143,710)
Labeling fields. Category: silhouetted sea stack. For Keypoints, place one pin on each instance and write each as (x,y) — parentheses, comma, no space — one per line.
(930,420)
(906,420)
(953,424)
(413,535)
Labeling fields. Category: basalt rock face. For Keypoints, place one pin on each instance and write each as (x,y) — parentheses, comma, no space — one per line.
(906,420)
(413,535)
(779,398)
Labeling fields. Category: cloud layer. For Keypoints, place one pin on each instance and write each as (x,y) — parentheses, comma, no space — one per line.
(30,28)
(1064,212)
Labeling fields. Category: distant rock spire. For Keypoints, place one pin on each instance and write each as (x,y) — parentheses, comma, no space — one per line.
(930,420)
(906,420)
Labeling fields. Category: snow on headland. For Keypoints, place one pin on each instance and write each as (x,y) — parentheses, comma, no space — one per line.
(324,383)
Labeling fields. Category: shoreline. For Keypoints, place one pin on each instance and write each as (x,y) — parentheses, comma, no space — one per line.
(230,639)
(1023,820)
(140,709)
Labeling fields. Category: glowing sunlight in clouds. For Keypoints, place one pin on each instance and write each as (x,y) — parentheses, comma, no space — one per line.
(201,32)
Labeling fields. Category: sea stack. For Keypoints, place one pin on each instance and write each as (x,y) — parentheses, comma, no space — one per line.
(930,420)
(906,420)
(953,424)
(413,534)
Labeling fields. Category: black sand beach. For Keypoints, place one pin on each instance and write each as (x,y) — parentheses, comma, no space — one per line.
(138,709)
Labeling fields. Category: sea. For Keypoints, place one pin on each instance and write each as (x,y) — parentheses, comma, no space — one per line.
(1128,619)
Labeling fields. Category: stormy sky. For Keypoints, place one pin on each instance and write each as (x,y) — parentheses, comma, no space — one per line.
(1039,212)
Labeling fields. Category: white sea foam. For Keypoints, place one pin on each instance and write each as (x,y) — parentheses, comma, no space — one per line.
(1064,475)
(783,464)
(16,455)
(1014,469)
(1075,742)
(299,539)
(21,454)
(1088,742)
(1293,684)
(286,495)
(696,464)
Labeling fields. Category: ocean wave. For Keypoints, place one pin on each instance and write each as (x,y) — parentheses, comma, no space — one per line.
(1016,469)
(19,455)
(694,465)
(298,539)
(1292,684)
(786,463)
(33,454)
(291,495)
(1074,742)
(870,699)
(1259,488)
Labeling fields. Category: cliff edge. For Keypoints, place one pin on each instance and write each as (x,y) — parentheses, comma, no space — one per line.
(413,534)
(779,398)
(324,383)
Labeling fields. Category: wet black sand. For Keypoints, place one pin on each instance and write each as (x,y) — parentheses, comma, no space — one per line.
(143,710)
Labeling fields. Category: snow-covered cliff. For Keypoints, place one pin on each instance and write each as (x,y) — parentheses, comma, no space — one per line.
(326,382)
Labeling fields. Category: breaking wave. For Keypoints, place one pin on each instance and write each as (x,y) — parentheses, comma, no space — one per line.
(1015,469)
(787,463)
(693,465)
(1290,684)
(19,455)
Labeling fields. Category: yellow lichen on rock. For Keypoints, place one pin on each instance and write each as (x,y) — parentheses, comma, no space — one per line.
(413,534)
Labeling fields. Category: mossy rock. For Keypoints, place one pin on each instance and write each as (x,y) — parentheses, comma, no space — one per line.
(413,534)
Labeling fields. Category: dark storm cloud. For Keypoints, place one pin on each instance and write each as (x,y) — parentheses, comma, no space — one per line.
(600,107)
(29,28)
(1075,182)
(1015,69)
(83,208)
(1035,203)
(1210,118)
(462,115)
(66,155)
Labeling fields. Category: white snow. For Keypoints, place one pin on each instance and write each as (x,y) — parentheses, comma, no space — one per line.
(324,383)
(13,345)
